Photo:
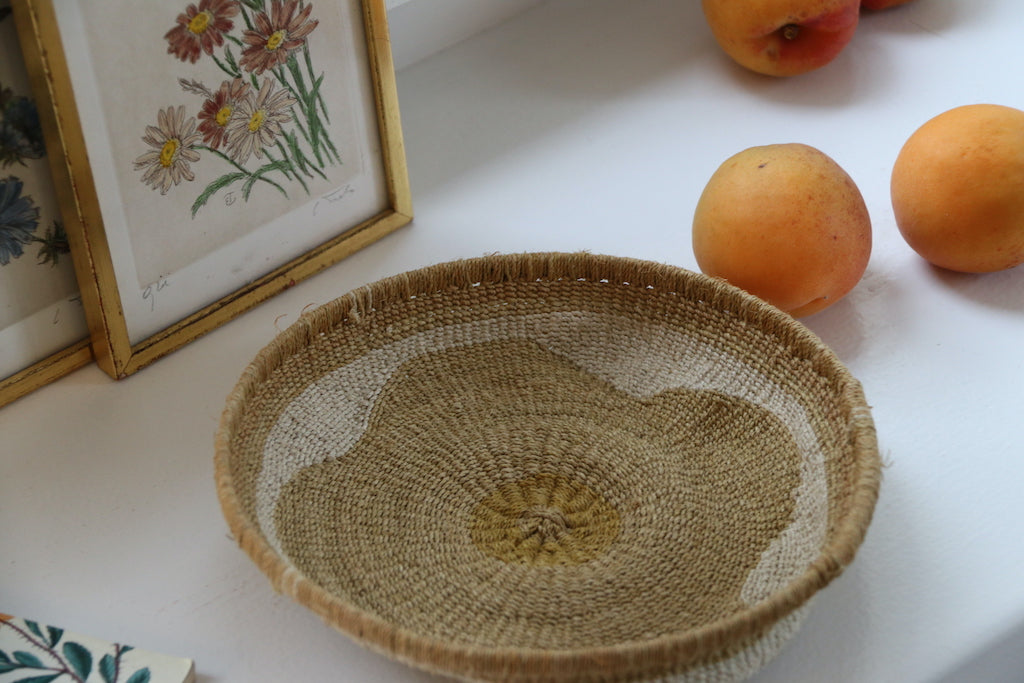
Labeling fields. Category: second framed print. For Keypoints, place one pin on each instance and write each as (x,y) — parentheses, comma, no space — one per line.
(214,152)
(43,334)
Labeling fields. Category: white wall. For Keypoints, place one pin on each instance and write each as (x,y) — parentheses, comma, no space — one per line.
(420,28)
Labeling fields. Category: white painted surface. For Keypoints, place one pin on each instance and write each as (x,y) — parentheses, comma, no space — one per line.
(421,28)
(587,124)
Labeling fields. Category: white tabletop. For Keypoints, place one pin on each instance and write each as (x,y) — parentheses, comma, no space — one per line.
(587,125)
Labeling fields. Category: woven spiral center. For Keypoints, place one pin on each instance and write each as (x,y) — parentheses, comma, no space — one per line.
(544,519)
(548,524)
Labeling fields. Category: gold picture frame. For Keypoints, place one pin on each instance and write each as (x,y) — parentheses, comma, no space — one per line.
(166,251)
(43,372)
(43,334)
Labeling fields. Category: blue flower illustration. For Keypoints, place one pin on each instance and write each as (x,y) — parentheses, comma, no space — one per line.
(21,136)
(19,218)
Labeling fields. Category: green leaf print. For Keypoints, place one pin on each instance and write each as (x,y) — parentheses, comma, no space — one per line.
(79,658)
(28,659)
(46,678)
(108,669)
(34,627)
(7,664)
(55,633)
(140,676)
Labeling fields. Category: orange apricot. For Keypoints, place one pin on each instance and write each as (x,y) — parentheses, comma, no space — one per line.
(957,189)
(786,223)
(782,37)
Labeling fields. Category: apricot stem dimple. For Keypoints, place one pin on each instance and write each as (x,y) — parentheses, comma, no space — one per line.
(790,31)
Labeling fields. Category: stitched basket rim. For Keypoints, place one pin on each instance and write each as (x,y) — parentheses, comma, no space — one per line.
(637,658)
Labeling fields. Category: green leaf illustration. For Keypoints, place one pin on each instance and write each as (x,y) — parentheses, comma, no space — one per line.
(140,676)
(232,64)
(317,128)
(226,68)
(245,15)
(55,633)
(7,664)
(258,175)
(79,658)
(108,669)
(300,83)
(213,188)
(28,659)
(314,94)
(310,70)
(256,5)
(296,155)
(54,244)
(34,627)
(46,678)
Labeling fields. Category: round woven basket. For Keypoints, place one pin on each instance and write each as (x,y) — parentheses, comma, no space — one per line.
(551,467)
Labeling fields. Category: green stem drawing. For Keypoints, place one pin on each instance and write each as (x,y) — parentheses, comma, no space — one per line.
(311,71)
(225,68)
(291,167)
(258,175)
(249,177)
(243,169)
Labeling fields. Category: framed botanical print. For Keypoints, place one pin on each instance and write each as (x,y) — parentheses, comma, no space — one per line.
(43,334)
(213,152)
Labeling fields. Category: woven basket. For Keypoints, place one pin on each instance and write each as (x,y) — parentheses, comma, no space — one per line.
(551,467)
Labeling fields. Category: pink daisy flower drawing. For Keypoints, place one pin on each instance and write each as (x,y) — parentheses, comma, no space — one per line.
(276,35)
(218,110)
(172,141)
(257,121)
(201,28)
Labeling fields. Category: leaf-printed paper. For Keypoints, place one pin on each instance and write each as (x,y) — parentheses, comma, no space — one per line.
(32,653)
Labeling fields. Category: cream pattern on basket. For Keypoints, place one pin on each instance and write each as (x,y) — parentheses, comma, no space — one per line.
(662,359)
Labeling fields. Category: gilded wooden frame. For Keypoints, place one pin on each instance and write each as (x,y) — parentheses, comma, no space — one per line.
(113,345)
(45,371)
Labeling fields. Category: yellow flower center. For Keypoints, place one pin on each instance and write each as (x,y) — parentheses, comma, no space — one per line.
(275,39)
(223,115)
(200,22)
(256,120)
(167,153)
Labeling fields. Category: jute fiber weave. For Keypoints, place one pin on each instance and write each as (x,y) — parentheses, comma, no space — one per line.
(551,467)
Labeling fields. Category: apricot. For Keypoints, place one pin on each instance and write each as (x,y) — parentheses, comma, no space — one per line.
(782,37)
(786,223)
(957,189)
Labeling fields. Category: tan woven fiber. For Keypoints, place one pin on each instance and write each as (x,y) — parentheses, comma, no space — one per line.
(551,467)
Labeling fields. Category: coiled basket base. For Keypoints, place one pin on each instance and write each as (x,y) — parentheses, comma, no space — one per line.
(551,467)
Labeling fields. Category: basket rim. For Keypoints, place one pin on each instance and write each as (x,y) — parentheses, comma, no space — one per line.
(656,656)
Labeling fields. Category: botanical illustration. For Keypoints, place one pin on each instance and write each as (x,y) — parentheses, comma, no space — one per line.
(40,309)
(224,139)
(265,122)
(48,656)
(20,135)
(19,223)
(21,139)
